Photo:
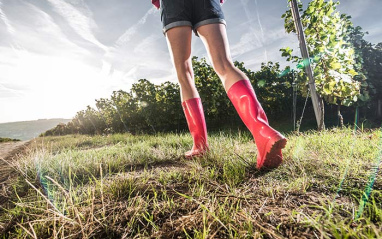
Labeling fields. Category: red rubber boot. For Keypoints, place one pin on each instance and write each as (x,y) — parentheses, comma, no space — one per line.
(278,154)
(269,142)
(193,110)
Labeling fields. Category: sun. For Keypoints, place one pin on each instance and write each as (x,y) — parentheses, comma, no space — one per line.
(55,86)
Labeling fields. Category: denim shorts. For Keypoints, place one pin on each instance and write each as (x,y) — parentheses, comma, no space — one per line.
(193,13)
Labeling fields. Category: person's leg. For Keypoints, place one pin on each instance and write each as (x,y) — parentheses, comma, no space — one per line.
(179,45)
(214,37)
(215,40)
(239,90)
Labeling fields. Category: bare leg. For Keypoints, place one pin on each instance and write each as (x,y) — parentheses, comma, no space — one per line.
(214,37)
(179,45)
(239,90)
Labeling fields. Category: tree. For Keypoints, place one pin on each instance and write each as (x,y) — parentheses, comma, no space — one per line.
(369,63)
(149,108)
(332,57)
(169,116)
(211,91)
(372,56)
(110,115)
(273,88)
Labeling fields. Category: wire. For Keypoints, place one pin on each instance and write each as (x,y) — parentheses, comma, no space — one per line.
(303,110)
(294,85)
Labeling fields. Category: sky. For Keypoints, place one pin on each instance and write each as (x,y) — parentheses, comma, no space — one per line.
(58,56)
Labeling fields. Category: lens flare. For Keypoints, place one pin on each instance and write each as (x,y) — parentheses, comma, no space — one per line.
(371,181)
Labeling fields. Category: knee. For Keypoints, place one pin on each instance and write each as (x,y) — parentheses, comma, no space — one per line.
(223,67)
(185,74)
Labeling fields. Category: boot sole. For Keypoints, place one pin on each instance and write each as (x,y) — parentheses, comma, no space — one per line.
(272,159)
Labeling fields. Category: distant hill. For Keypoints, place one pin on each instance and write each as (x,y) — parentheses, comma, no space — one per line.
(26,130)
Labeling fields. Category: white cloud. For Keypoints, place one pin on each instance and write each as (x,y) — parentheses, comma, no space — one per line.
(54,63)
(248,42)
(249,15)
(106,68)
(36,33)
(7,91)
(375,33)
(6,21)
(147,43)
(356,8)
(53,86)
(140,54)
(133,29)
(81,22)
(42,34)
(259,21)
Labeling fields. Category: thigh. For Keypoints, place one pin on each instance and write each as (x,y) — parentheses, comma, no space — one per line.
(175,13)
(214,37)
(207,12)
(179,45)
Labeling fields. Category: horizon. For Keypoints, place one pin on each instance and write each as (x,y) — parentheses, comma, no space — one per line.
(91,48)
(47,119)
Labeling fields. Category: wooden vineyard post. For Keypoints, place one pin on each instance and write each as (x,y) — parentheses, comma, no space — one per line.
(316,99)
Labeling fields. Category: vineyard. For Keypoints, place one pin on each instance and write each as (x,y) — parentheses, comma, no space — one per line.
(150,108)
(118,169)
(347,70)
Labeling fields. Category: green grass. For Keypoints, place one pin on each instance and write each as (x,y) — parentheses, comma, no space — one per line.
(124,186)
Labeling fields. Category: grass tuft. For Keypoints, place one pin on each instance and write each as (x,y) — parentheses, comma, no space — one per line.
(125,186)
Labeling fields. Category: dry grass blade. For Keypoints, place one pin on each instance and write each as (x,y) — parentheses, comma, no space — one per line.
(269,232)
(68,197)
(49,202)
(27,231)
(203,207)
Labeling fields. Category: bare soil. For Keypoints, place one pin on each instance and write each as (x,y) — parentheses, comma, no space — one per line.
(9,148)
(9,151)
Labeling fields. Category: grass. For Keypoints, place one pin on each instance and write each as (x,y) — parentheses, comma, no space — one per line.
(124,186)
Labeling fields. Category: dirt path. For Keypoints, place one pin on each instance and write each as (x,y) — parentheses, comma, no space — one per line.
(8,151)
(7,148)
